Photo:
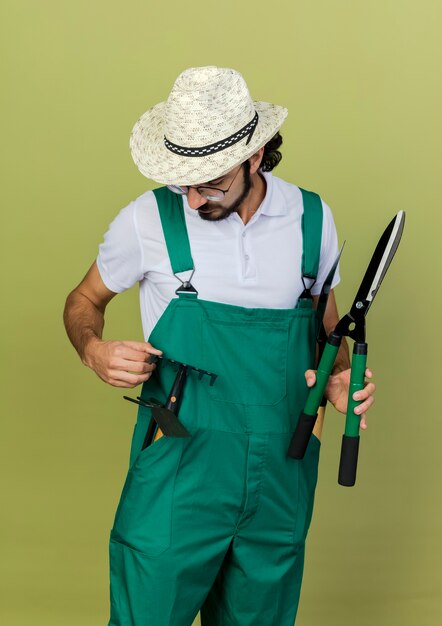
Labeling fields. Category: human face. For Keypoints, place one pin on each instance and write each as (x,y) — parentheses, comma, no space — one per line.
(216,211)
(209,192)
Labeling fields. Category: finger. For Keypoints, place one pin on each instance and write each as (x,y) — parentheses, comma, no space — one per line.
(123,350)
(140,368)
(129,365)
(141,346)
(310,377)
(363,394)
(368,373)
(130,354)
(364,406)
(119,383)
(150,348)
(126,379)
(363,423)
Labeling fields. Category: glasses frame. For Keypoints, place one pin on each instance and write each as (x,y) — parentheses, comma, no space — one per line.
(183,190)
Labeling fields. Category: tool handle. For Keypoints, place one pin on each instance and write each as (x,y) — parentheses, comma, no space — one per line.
(319,424)
(301,436)
(307,419)
(149,433)
(322,341)
(174,398)
(350,440)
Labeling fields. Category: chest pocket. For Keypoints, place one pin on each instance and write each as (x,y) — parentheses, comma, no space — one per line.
(250,359)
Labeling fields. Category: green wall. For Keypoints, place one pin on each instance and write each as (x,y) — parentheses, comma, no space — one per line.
(362,82)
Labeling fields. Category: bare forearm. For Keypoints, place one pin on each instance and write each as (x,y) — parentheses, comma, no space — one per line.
(83,321)
(342,361)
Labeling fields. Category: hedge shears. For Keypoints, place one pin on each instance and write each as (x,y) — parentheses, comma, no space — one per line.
(351,325)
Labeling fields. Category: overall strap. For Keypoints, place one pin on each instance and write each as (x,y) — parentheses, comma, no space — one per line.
(311,234)
(171,210)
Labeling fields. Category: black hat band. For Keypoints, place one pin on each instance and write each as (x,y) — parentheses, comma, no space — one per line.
(249,129)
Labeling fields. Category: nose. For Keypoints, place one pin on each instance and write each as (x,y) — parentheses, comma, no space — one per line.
(194,199)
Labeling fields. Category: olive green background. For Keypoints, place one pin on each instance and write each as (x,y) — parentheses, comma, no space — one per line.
(362,82)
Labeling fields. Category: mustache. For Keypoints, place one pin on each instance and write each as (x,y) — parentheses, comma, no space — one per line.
(211,210)
(213,215)
(208,208)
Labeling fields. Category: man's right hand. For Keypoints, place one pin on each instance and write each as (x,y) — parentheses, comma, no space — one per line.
(120,363)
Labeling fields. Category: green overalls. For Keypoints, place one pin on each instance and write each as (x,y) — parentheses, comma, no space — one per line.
(218,521)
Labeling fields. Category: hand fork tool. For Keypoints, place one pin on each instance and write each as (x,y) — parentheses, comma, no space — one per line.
(166,416)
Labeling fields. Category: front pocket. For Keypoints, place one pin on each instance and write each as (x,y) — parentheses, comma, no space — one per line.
(143,520)
(139,434)
(250,360)
(151,448)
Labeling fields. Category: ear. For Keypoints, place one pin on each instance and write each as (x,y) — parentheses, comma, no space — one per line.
(255,160)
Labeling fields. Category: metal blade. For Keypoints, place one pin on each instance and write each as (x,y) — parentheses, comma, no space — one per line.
(169,423)
(325,291)
(378,266)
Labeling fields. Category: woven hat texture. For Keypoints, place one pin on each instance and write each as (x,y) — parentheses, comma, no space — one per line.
(208,125)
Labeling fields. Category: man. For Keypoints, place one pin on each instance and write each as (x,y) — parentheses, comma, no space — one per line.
(230,260)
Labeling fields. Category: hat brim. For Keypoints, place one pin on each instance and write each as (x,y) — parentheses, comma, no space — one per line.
(158,163)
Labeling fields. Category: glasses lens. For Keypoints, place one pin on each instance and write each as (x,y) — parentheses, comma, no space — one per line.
(214,195)
(178,189)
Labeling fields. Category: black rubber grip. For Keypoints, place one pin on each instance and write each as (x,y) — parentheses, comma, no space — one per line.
(349,461)
(301,436)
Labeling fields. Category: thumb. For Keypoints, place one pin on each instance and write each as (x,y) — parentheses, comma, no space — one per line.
(310,377)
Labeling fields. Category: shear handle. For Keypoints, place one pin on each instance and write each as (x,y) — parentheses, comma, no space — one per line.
(350,440)
(307,418)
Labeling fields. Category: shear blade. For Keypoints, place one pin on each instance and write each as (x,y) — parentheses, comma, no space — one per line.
(379,264)
(323,296)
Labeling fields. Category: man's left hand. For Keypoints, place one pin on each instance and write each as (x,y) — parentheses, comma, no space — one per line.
(336,392)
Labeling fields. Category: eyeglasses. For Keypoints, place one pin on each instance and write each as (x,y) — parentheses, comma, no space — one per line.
(209,193)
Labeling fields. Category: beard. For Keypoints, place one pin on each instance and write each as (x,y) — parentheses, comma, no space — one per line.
(214,213)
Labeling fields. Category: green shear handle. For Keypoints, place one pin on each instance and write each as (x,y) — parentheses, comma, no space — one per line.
(307,418)
(350,440)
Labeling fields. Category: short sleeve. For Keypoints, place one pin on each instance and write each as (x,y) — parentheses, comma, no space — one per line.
(120,257)
(329,250)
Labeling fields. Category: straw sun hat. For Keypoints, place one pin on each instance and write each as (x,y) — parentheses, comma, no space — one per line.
(208,125)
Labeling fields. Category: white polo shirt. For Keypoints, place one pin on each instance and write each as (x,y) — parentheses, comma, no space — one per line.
(257,264)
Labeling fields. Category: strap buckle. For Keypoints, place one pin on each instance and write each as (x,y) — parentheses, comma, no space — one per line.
(186,285)
(306,294)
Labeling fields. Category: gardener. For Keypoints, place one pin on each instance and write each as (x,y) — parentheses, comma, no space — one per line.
(216,521)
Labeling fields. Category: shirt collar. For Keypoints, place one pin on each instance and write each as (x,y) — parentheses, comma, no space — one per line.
(274,203)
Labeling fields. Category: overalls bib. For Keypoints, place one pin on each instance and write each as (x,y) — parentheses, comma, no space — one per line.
(218,521)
